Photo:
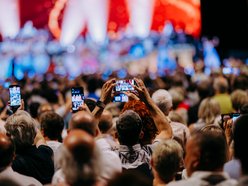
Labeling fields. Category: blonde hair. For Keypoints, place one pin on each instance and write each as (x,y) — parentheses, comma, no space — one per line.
(166,158)
(209,110)
(239,98)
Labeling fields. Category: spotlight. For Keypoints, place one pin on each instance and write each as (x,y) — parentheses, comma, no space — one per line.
(9,18)
(81,13)
(141,12)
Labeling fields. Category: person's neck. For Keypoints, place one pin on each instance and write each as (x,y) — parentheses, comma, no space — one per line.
(218,92)
(157,181)
(48,139)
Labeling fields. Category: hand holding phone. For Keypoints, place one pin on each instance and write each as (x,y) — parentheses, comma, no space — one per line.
(235,116)
(121,97)
(15,97)
(232,116)
(124,85)
(77,98)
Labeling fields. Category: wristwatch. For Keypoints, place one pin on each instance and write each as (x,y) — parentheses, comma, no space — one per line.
(100,104)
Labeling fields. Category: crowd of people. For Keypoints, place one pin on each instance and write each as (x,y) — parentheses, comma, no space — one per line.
(173,130)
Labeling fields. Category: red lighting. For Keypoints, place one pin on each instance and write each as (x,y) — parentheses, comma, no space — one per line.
(184,14)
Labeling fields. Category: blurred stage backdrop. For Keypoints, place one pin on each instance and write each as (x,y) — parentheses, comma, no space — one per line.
(69,37)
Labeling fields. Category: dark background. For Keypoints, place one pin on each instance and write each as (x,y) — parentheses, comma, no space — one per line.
(227,19)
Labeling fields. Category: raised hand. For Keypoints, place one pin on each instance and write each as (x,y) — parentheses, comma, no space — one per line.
(106,93)
(143,93)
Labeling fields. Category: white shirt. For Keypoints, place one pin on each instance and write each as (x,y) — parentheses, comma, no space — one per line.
(20,179)
(180,130)
(55,145)
(111,163)
(233,168)
(198,178)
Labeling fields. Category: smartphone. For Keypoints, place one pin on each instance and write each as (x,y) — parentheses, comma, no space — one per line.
(15,96)
(77,98)
(124,85)
(121,98)
(235,116)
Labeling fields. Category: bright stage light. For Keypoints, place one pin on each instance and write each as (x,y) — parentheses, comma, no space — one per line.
(78,14)
(97,19)
(9,18)
(73,22)
(141,13)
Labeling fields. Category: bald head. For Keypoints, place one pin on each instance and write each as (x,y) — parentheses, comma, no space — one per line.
(85,121)
(80,144)
(105,123)
(6,151)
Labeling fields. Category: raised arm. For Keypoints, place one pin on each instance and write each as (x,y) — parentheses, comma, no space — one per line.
(160,120)
(105,98)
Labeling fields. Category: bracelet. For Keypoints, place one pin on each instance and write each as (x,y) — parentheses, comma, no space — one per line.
(100,104)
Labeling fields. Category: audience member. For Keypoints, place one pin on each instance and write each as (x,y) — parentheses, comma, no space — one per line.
(208,113)
(240,82)
(178,105)
(51,128)
(149,130)
(239,98)
(7,153)
(233,167)
(204,90)
(107,129)
(105,123)
(33,157)
(206,153)
(129,131)
(166,160)
(221,95)
(240,146)
(79,160)
(163,100)
(84,120)
(176,117)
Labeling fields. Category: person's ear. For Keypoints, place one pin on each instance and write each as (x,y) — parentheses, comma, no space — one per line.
(194,166)
(152,163)
(42,132)
(116,135)
(141,135)
(14,156)
(98,132)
